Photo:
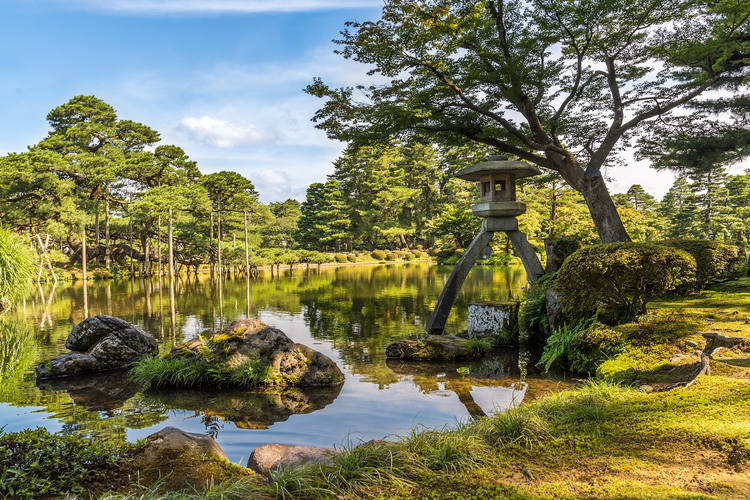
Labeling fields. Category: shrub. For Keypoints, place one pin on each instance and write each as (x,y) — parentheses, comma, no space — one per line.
(36,463)
(101,273)
(16,267)
(616,280)
(533,323)
(580,348)
(351,257)
(378,255)
(715,261)
(340,258)
(498,259)
(391,256)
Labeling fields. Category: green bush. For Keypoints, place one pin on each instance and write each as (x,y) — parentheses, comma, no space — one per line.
(498,259)
(715,261)
(581,348)
(351,257)
(16,267)
(615,281)
(38,464)
(340,258)
(101,273)
(391,256)
(378,255)
(533,323)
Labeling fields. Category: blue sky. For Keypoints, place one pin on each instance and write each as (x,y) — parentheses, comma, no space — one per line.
(223,79)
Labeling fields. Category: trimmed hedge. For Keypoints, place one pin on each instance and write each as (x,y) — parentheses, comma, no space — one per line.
(615,281)
(715,261)
(378,254)
(341,258)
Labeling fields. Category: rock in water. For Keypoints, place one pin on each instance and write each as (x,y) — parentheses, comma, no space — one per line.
(250,342)
(275,456)
(431,348)
(99,344)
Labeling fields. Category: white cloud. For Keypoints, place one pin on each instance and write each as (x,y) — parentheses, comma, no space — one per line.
(223,134)
(225,6)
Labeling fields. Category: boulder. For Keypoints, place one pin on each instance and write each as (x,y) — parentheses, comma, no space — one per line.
(431,348)
(554,310)
(274,456)
(172,441)
(178,460)
(252,342)
(99,344)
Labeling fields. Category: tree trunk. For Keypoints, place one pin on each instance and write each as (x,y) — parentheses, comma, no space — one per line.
(107,243)
(158,244)
(218,233)
(84,257)
(145,248)
(603,211)
(171,247)
(130,230)
(247,251)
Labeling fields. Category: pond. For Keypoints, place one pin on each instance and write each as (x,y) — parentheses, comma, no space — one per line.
(349,313)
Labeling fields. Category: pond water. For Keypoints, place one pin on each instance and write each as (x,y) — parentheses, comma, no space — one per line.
(349,313)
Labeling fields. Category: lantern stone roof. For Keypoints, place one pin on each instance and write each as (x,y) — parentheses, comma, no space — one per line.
(498,165)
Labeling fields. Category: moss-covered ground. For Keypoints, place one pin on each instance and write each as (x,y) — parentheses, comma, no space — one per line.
(664,346)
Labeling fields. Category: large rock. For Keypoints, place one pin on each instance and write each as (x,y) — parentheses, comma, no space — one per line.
(252,341)
(431,348)
(273,457)
(173,441)
(99,344)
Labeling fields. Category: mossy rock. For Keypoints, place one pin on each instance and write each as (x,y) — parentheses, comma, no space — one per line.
(438,348)
(247,354)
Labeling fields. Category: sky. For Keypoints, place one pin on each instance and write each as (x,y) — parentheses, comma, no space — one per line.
(222,79)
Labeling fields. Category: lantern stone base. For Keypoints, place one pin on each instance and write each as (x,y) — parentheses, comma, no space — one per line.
(499,209)
(497,320)
(500,224)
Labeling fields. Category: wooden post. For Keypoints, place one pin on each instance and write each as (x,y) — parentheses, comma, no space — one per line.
(247,250)
(130,227)
(84,258)
(43,248)
(218,233)
(107,239)
(158,244)
(171,246)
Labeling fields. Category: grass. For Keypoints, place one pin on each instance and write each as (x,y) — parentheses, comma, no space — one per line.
(598,441)
(199,372)
(16,267)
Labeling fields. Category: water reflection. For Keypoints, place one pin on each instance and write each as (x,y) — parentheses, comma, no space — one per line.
(349,313)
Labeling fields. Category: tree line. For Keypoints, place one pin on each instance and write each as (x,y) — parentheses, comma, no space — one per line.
(108,182)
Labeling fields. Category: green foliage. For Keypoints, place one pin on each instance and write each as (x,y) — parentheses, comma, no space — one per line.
(35,463)
(378,254)
(479,345)
(580,348)
(16,267)
(200,372)
(620,279)
(341,258)
(715,261)
(17,352)
(532,312)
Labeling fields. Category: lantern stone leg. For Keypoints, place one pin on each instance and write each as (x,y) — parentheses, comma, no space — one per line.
(527,254)
(436,325)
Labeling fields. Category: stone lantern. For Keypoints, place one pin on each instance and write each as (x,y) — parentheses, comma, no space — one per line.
(497,185)
(498,208)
